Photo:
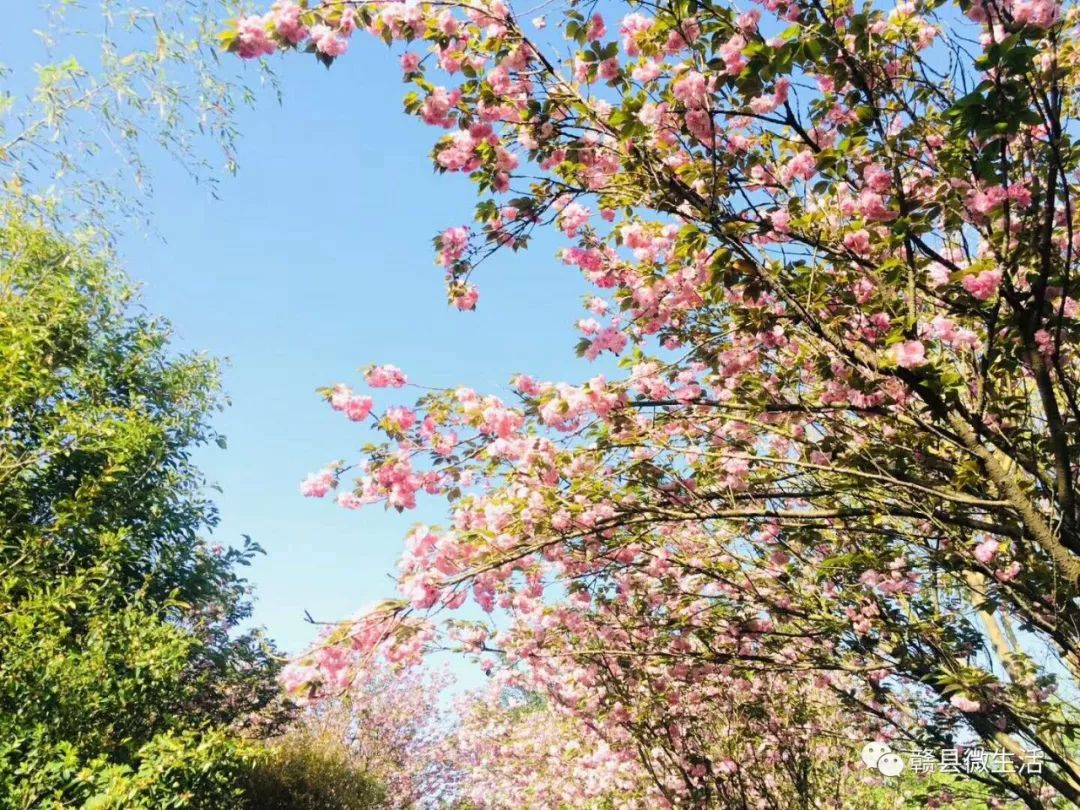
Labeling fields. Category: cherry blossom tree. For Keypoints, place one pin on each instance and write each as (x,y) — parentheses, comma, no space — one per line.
(770,743)
(832,249)
(394,725)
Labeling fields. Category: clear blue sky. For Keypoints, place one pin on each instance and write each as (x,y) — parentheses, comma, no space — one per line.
(316,260)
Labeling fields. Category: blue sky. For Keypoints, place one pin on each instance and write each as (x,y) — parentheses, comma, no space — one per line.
(317,260)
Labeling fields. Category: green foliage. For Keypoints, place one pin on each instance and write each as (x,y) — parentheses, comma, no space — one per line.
(77,132)
(189,769)
(309,771)
(118,670)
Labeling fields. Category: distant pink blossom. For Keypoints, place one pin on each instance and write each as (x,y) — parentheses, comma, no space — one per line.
(982,201)
(646,73)
(340,396)
(317,484)
(438,107)
(452,244)
(731,53)
(573,217)
(803,165)
(986,551)
(630,27)
(872,207)
(466,299)
(357,408)
(1036,13)
(939,276)
(608,69)
(692,89)
(596,29)
(781,221)
(1020,194)
(747,22)
(909,354)
(386,376)
(526,385)
(400,416)
(965,704)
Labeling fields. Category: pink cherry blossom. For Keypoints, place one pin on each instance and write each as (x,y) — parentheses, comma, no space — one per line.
(858,242)
(452,244)
(401,417)
(385,376)
(877,178)
(983,285)
(965,704)
(328,41)
(872,207)
(317,484)
(252,39)
(467,297)
(986,551)
(286,17)
(357,408)
(909,354)
(597,29)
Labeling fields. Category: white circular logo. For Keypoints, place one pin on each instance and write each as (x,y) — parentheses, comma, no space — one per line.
(872,752)
(890,764)
(878,755)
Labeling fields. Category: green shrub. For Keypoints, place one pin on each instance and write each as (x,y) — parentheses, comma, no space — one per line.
(191,770)
(119,670)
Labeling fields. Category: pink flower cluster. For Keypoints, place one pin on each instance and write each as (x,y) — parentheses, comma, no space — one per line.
(285,16)
(981,202)
(909,354)
(252,38)
(385,376)
(1036,13)
(318,484)
(947,331)
(452,244)
(983,285)
(355,407)
(255,34)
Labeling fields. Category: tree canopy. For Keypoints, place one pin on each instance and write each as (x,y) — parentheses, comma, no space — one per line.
(833,250)
(123,680)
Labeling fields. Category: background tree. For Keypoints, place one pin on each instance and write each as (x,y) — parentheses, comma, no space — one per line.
(112,86)
(120,680)
(394,726)
(779,747)
(834,249)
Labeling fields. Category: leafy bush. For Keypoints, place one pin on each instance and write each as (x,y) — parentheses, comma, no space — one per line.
(191,769)
(119,672)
